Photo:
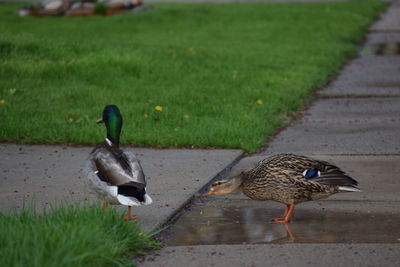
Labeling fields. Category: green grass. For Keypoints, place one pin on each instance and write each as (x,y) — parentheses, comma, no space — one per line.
(70,236)
(205,64)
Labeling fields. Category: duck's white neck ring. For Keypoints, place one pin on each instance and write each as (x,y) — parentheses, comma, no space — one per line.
(108,142)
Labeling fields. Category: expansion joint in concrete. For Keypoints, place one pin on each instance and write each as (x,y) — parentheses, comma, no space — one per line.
(384,31)
(175,215)
(364,154)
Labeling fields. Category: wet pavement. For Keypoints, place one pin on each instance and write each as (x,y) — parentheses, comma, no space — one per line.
(370,216)
(248,222)
(385,49)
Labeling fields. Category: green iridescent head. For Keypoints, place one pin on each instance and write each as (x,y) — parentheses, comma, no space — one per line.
(113,120)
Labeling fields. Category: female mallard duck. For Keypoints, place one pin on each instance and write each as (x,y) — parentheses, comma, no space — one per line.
(116,176)
(289,179)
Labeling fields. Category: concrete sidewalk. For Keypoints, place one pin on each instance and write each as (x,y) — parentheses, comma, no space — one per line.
(52,175)
(354,123)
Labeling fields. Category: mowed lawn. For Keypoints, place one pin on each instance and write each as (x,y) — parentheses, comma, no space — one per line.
(222,75)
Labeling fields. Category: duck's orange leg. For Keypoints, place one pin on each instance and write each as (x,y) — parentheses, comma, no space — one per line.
(286,210)
(288,214)
(129,216)
(104,205)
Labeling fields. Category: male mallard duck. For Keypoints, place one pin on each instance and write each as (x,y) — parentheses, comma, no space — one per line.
(116,176)
(289,179)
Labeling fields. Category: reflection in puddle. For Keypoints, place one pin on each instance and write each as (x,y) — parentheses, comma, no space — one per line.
(382,49)
(230,224)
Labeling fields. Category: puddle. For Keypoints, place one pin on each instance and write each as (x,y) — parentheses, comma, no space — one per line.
(385,84)
(232,224)
(382,49)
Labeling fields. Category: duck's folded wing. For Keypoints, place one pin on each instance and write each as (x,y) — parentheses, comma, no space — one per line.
(111,171)
(137,170)
(318,171)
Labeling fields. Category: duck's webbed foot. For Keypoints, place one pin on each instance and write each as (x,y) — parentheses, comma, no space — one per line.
(287,216)
(280,220)
(129,216)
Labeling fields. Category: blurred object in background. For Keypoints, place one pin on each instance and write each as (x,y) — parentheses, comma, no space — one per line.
(74,8)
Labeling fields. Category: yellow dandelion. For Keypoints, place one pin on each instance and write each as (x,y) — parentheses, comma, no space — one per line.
(2,101)
(260,102)
(234,74)
(173,54)
(186,116)
(191,50)
(158,108)
(146,115)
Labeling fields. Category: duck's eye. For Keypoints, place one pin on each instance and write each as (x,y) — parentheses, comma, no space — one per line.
(216,183)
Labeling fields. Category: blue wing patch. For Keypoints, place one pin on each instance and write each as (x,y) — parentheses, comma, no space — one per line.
(311,173)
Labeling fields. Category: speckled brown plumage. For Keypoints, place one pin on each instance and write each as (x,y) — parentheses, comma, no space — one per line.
(280,178)
(289,179)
